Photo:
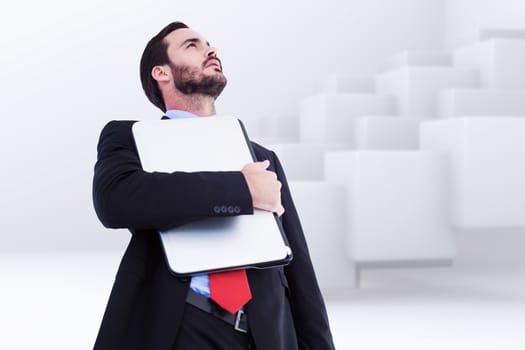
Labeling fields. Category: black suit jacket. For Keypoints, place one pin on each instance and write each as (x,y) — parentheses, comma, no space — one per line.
(146,304)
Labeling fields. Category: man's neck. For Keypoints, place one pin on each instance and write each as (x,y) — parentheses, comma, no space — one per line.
(197,104)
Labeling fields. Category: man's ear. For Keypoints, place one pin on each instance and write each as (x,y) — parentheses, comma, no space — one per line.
(161,73)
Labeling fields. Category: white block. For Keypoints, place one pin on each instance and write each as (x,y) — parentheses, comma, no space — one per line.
(487,168)
(501,33)
(416,88)
(501,62)
(387,132)
(417,58)
(329,118)
(303,161)
(322,210)
(397,205)
(478,102)
(277,128)
(336,83)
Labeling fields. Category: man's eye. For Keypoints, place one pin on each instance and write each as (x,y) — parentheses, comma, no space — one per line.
(192,45)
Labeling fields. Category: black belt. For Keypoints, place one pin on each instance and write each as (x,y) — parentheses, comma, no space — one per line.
(239,320)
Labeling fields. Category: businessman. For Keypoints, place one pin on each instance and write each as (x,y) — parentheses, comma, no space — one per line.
(278,308)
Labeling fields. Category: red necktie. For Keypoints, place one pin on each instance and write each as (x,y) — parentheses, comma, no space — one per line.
(230,289)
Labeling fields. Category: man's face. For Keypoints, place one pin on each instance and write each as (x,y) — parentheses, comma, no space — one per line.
(194,64)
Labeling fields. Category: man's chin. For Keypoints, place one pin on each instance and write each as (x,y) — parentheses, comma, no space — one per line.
(208,83)
(219,75)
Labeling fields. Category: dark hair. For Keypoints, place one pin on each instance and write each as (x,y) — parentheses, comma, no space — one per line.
(155,55)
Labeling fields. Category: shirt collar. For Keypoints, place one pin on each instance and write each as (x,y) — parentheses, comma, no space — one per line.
(178,114)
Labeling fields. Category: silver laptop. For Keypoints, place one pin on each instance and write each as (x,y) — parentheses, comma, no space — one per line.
(217,243)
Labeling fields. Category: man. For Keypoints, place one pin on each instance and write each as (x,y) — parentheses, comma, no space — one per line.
(150,308)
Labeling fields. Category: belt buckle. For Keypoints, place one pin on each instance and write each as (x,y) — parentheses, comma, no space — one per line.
(236,326)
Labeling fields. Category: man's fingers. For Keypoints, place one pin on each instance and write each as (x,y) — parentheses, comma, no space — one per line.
(256,166)
(263,165)
(264,186)
(280,210)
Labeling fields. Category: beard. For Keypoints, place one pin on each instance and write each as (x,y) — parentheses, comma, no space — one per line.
(191,81)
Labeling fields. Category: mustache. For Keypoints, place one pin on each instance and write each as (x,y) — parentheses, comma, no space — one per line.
(210,59)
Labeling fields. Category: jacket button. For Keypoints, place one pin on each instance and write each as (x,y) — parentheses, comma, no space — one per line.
(224,209)
(230,209)
(217,209)
(237,209)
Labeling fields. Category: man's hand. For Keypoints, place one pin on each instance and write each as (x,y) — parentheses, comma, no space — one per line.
(264,187)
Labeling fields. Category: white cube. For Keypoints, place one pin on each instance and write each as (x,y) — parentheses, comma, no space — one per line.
(303,161)
(417,88)
(276,128)
(487,168)
(501,62)
(416,58)
(478,102)
(322,209)
(397,205)
(501,33)
(329,118)
(387,132)
(337,83)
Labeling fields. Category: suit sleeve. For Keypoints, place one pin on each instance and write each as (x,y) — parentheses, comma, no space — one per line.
(306,302)
(125,196)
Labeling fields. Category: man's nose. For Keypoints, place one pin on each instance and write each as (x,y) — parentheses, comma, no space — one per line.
(212,52)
